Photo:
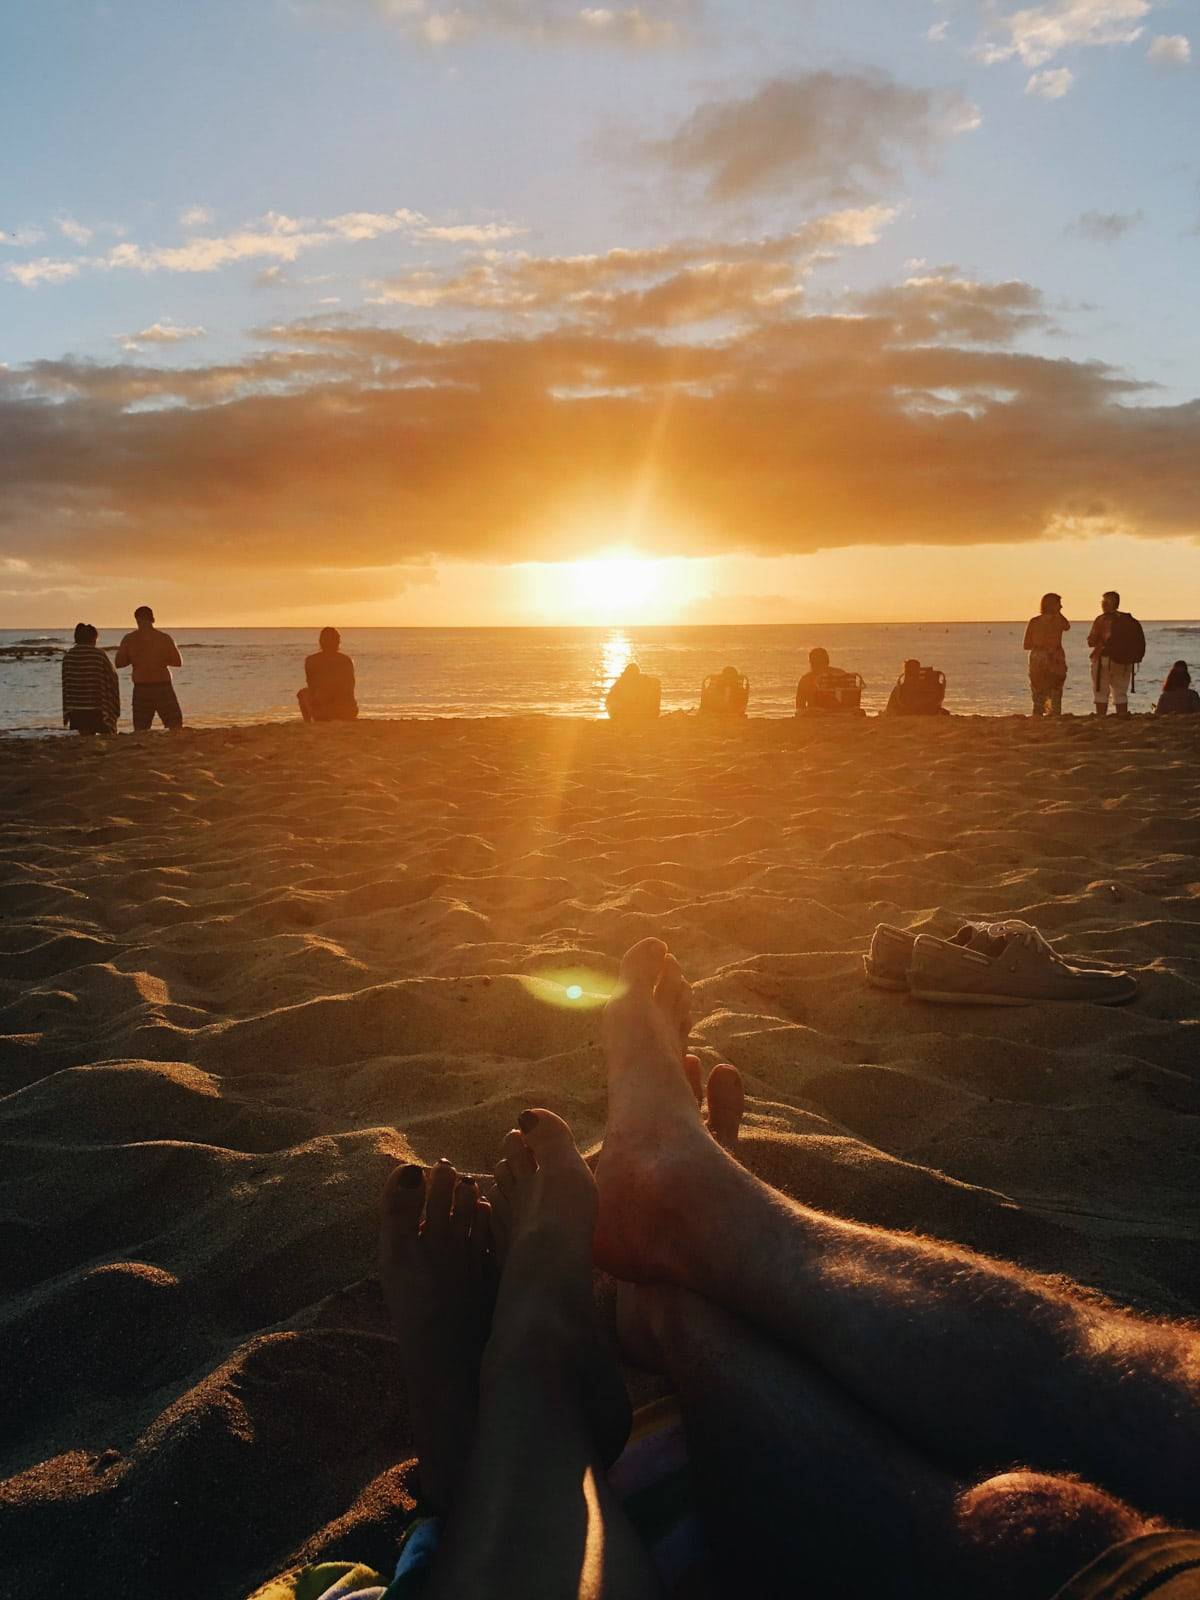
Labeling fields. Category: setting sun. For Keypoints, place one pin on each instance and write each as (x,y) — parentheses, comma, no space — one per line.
(614,586)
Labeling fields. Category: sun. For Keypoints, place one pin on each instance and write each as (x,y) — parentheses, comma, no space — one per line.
(613,586)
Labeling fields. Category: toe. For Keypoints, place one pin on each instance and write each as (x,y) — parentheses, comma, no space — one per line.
(466,1203)
(674,994)
(726,1104)
(691,1070)
(506,1180)
(641,965)
(401,1204)
(549,1137)
(441,1194)
(518,1155)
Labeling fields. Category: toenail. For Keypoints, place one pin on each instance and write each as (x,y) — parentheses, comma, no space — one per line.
(527,1121)
(410,1177)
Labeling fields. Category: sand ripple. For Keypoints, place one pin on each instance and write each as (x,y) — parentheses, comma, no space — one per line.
(241,972)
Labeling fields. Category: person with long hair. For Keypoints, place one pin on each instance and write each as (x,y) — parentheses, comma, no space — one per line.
(1178,698)
(1047,658)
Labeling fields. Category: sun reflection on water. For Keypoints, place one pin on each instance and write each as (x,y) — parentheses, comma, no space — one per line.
(616,653)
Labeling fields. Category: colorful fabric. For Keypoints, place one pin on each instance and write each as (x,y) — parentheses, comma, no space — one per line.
(651,1478)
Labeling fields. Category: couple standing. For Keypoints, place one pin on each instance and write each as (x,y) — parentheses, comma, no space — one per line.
(1117,644)
(91,690)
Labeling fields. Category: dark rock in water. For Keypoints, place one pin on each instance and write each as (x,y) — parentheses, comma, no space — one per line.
(34,652)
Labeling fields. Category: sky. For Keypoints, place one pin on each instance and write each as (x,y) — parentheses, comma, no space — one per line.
(531,311)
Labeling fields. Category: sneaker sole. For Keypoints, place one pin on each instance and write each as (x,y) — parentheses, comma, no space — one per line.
(877,981)
(950,998)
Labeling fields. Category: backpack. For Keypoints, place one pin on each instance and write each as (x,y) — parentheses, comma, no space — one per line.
(1126,640)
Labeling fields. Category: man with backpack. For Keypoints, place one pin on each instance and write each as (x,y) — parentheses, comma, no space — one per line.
(1117,644)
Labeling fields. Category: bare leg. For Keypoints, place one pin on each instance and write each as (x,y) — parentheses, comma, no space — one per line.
(801,1489)
(534,1515)
(438,1279)
(902,1323)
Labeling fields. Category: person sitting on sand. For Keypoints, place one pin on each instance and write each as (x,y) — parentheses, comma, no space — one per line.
(1178,698)
(91,690)
(726,694)
(329,693)
(1047,658)
(918,693)
(827,688)
(151,653)
(864,1412)
(633,697)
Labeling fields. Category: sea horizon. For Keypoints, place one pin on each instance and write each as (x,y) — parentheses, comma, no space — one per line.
(240,676)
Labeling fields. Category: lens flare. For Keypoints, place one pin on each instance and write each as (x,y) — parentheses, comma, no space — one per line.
(571,989)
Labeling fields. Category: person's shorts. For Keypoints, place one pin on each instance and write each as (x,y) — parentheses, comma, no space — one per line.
(1158,1566)
(87,722)
(151,698)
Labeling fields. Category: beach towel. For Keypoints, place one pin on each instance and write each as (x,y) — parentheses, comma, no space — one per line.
(651,1478)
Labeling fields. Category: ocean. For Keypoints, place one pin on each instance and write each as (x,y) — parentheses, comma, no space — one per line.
(243,675)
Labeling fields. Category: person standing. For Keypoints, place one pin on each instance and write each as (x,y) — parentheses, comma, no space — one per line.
(328,695)
(1117,644)
(1047,658)
(151,653)
(91,690)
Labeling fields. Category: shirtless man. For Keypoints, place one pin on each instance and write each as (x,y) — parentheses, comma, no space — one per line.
(151,653)
(868,1413)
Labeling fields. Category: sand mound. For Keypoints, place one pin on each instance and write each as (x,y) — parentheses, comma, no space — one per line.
(243,972)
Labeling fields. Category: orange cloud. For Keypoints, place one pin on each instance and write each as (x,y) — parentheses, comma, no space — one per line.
(358,447)
(661,287)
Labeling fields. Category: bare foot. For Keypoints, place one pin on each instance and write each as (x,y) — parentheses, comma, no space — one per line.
(544,1206)
(656,1152)
(438,1280)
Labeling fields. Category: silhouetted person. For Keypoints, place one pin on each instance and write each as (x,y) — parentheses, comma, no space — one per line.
(918,693)
(1178,698)
(826,688)
(1117,644)
(1047,658)
(91,690)
(727,694)
(329,674)
(151,653)
(633,697)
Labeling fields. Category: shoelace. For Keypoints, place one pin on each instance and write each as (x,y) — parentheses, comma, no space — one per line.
(1024,933)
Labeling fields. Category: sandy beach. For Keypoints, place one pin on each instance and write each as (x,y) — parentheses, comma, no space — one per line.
(245,971)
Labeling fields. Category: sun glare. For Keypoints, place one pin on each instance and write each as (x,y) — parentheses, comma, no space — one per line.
(614,586)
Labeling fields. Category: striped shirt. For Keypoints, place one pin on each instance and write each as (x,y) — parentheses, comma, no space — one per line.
(90,683)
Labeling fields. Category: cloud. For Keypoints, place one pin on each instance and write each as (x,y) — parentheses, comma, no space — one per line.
(158,333)
(794,435)
(827,136)
(652,24)
(77,232)
(196,216)
(1052,84)
(1105,227)
(942,307)
(1036,34)
(273,237)
(667,286)
(45,270)
(1169,50)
